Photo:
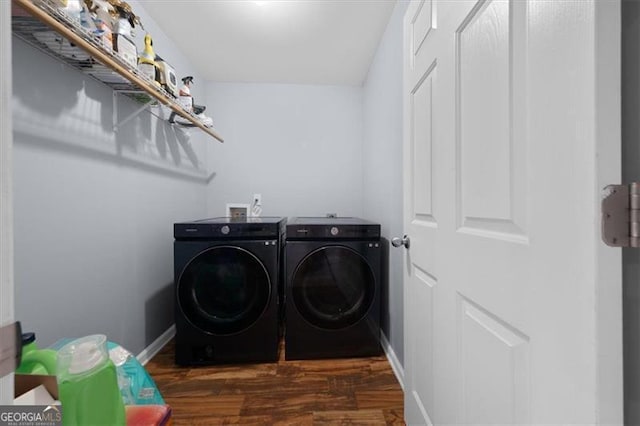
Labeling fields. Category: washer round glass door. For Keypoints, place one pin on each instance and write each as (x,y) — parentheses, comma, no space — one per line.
(224,290)
(333,287)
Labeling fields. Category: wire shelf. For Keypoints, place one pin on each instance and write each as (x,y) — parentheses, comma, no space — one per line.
(52,31)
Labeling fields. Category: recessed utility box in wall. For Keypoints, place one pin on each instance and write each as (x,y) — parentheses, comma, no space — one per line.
(237,210)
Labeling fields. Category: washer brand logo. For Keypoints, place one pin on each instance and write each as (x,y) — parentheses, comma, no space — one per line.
(30,415)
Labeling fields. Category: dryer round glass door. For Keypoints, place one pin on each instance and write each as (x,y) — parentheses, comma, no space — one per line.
(223,290)
(333,287)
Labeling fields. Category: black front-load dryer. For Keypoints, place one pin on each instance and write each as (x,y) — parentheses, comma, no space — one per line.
(332,297)
(227,275)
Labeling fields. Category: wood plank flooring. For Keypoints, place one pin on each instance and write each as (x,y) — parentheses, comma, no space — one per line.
(355,391)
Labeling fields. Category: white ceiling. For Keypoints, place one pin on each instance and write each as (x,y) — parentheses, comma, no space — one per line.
(294,41)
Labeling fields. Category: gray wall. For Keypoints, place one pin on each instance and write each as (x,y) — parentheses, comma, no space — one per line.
(382,159)
(93,208)
(300,146)
(631,173)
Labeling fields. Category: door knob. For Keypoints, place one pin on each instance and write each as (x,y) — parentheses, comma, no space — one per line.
(404,241)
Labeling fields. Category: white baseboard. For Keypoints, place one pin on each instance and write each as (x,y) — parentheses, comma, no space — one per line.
(397,368)
(155,346)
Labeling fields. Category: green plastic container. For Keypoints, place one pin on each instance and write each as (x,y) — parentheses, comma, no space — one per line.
(88,384)
(34,360)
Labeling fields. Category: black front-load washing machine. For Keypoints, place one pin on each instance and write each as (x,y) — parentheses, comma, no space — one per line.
(227,275)
(332,296)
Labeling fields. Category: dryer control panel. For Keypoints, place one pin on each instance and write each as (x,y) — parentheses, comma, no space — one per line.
(347,228)
(222,228)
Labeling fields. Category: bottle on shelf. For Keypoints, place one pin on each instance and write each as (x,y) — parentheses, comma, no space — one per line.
(147,64)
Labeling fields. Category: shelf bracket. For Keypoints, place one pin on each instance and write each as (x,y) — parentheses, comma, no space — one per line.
(116,124)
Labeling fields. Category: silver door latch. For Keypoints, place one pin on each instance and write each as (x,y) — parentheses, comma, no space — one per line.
(621,215)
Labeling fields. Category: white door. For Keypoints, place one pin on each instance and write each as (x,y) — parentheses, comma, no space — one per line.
(6,206)
(512,128)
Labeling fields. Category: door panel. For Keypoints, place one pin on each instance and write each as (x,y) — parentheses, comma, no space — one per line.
(422,347)
(490,87)
(503,164)
(483,73)
(423,23)
(421,120)
(495,368)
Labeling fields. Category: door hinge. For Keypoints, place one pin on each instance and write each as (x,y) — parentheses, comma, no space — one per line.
(621,215)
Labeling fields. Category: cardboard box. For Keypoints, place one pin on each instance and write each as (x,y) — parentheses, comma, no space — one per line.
(27,387)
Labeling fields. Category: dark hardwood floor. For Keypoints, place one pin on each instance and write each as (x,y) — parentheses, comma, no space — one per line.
(356,391)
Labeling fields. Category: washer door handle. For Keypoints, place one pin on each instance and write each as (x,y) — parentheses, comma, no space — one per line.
(404,241)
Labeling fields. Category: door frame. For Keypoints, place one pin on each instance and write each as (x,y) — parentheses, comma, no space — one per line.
(6,188)
(608,298)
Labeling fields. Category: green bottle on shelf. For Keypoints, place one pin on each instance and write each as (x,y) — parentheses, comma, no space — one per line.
(88,384)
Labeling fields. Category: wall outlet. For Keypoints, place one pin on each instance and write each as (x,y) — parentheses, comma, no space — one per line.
(257,200)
